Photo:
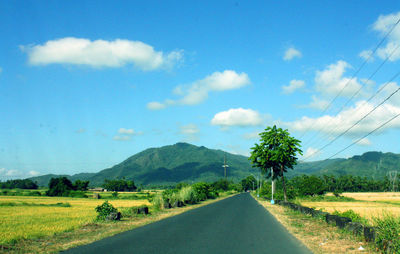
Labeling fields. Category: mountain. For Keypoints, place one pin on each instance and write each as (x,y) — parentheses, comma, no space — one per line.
(370,164)
(171,164)
(184,162)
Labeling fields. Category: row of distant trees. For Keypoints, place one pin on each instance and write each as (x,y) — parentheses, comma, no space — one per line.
(18,184)
(311,185)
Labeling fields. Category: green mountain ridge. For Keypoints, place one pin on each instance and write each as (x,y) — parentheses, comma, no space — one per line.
(184,162)
(171,164)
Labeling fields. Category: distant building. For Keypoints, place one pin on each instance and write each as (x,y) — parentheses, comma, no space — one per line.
(99,189)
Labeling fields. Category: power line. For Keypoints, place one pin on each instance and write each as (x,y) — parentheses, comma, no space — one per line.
(358,91)
(362,118)
(357,71)
(358,140)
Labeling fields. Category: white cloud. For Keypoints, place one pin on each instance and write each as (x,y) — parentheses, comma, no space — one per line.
(364,142)
(316,103)
(237,117)
(335,125)
(126,131)
(10,173)
(122,138)
(366,55)
(189,129)
(291,53)
(383,25)
(311,152)
(100,53)
(331,81)
(293,86)
(33,173)
(126,134)
(198,91)
(154,105)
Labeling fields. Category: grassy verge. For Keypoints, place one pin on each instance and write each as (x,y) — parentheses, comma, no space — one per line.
(93,231)
(315,233)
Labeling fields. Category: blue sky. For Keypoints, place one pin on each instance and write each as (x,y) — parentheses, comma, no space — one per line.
(84,85)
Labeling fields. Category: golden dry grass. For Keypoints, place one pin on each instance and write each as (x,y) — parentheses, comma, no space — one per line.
(370,204)
(368,210)
(25,221)
(90,232)
(374,196)
(318,236)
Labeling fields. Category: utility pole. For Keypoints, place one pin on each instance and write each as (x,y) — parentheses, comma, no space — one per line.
(392,179)
(225,166)
(272,186)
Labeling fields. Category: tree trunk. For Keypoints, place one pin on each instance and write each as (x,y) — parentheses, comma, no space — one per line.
(283,184)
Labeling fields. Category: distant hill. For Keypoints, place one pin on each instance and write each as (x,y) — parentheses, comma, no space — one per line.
(370,164)
(171,164)
(184,162)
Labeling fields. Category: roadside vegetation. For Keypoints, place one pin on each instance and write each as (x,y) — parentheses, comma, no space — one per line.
(41,223)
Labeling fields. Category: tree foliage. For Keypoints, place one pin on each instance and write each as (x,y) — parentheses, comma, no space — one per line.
(63,187)
(18,184)
(249,183)
(277,151)
(119,185)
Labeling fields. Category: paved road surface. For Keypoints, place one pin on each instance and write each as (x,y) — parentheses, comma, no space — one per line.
(233,225)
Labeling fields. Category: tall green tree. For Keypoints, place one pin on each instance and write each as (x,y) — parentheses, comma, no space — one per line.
(276,150)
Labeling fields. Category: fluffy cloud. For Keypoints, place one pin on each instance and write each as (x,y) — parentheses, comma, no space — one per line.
(366,55)
(125,134)
(383,25)
(154,105)
(311,152)
(198,91)
(337,124)
(14,173)
(126,131)
(291,53)
(237,117)
(122,138)
(364,142)
(331,81)
(316,103)
(100,53)
(293,86)
(189,129)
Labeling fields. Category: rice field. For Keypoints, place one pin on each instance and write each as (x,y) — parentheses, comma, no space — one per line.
(367,205)
(30,217)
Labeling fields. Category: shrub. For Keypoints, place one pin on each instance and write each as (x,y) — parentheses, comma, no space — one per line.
(158,202)
(104,210)
(187,195)
(388,233)
(35,193)
(355,217)
(337,193)
(77,194)
(114,194)
(201,190)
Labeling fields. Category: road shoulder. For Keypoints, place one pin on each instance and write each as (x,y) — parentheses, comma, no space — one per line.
(318,236)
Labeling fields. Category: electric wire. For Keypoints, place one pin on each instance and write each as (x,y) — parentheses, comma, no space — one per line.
(357,71)
(362,118)
(329,133)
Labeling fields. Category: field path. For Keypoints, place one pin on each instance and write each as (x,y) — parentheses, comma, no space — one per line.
(233,225)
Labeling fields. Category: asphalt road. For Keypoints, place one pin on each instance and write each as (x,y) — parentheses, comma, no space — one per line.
(233,225)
